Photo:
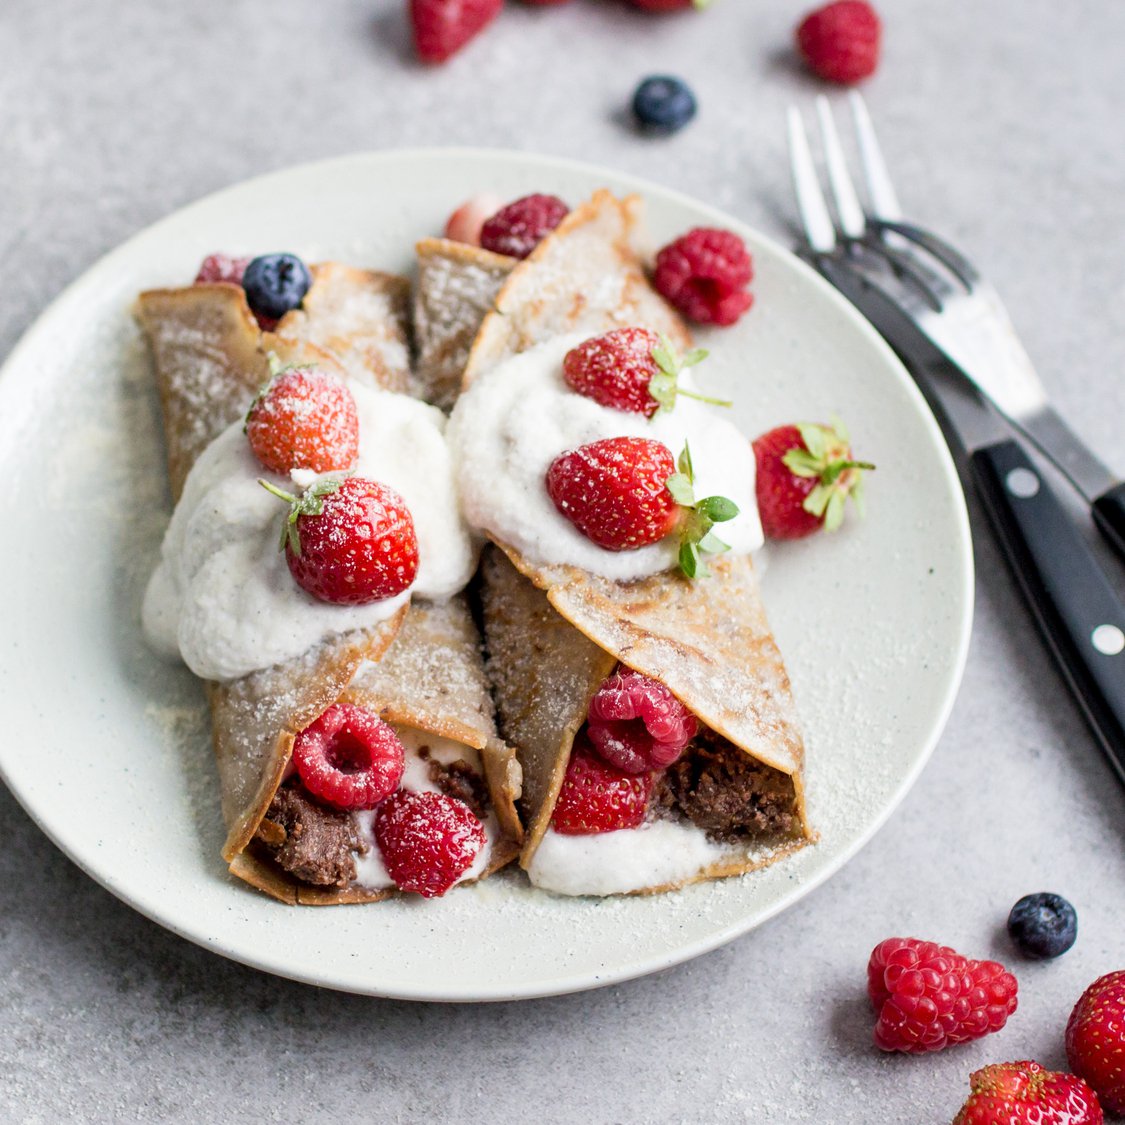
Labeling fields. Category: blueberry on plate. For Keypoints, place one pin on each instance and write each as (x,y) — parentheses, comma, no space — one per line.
(276,283)
(1043,925)
(663,104)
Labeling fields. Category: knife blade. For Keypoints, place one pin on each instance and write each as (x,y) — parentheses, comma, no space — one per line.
(1078,613)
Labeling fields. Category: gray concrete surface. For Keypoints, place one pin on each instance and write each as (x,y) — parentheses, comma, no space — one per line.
(1004,124)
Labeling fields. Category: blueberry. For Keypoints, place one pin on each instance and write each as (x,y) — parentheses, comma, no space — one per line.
(663,104)
(276,283)
(1043,925)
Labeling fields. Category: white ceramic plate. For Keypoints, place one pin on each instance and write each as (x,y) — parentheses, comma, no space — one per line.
(107,748)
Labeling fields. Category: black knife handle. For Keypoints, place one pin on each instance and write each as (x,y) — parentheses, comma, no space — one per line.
(1109,515)
(1079,614)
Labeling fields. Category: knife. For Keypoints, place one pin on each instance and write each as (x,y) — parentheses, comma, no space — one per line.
(1079,615)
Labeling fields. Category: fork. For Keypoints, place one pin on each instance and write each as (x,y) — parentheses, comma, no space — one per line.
(951,330)
(947,298)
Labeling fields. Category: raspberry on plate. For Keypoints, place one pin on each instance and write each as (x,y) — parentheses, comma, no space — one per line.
(631,369)
(704,274)
(515,230)
(615,491)
(927,996)
(840,41)
(805,473)
(349,542)
(597,798)
(349,758)
(636,724)
(427,840)
(442,27)
(221,267)
(1095,1039)
(1024,1093)
(304,418)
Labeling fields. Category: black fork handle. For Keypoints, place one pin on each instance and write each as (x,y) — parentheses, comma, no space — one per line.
(1109,516)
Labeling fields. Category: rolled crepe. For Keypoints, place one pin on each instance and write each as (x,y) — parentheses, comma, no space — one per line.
(211,358)
(555,633)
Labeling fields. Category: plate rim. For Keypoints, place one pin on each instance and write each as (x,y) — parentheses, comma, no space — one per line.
(964,577)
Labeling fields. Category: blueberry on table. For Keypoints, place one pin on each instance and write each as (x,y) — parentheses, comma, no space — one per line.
(1043,925)
(663,104)
(276,283)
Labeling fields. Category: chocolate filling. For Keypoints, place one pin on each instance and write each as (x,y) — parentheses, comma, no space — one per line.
(460,781)
(311,842)
(724,791)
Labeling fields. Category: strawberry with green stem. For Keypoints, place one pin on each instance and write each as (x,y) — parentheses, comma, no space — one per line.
(696,535)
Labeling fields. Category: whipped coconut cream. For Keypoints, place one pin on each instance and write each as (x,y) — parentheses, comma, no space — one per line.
(516,419)
(370,870)
(630,859)
(222,597)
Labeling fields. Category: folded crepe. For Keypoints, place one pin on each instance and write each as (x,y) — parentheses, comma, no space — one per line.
(421,670)
(555,633)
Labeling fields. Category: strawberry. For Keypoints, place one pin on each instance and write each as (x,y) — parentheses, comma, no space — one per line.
(636,724)
(928,997)
(349,758)
(631,369)
(304,418)
(427,840)
(1024,1093)
(1095,1039)
(349,542)
(596,797)
(465,223)
(805,473)
(442,27)
(623,493)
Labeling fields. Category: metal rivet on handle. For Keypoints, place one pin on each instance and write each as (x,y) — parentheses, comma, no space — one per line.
(1108,639)
(1022,483)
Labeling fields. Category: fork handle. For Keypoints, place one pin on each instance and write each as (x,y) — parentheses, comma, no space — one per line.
(1109,515)
(1079,614)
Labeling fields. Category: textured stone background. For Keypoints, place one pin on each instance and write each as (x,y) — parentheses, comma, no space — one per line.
(1003,124)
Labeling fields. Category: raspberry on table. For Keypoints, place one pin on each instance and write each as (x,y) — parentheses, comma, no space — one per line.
(221,267)
(637,725)
(427,840)
(614,491)
(349,542)
(597,798)
(840,41)
(704,274)
(305,418)
(515,230)
(927,996)
(349,758)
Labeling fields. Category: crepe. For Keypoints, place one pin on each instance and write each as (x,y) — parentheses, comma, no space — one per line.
(211,358)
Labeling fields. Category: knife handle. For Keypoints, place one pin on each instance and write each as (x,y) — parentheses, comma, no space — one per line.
(1109,515)
(1079,614)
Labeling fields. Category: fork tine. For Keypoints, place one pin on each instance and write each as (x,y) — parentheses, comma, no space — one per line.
(811,205)
(848,210)
(880,190)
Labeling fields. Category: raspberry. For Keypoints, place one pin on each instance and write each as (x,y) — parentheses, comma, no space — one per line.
(637,724)
(519,227)
(349,542)
(928,997)
(615,491)
(616,369)
(840,41)
(704,273)
(1095,1039)
(805,473)
(597,798)
(222,267)
(304,419)
(428,840)
(442,27)
(1023,1093)
(349,758)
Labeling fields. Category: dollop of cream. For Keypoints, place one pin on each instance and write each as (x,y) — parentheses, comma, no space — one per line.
(222,597)
(631,859)
(516,419)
